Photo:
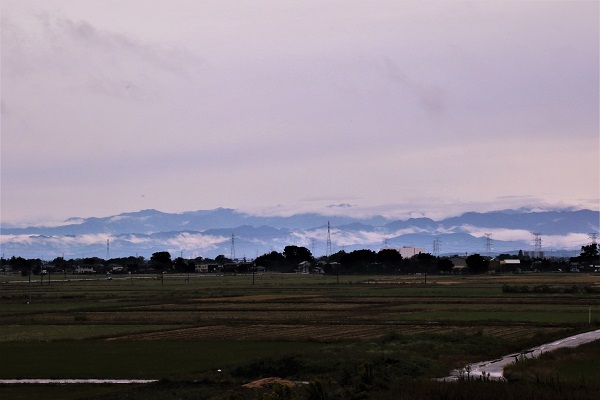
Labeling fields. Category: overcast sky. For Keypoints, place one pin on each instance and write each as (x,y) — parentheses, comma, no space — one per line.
(397,107)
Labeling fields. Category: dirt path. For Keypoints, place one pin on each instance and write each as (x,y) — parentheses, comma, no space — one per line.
(495,369)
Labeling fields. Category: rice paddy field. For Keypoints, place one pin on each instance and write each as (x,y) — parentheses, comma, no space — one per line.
(203,336)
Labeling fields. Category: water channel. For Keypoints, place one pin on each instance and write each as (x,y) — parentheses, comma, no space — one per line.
(495,369)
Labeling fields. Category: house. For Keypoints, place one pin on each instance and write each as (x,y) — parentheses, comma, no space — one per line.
(84,270)
(307,267)
(503,266)
(460,265)
(205,268)
(304,267)
(116,269)
(510,265)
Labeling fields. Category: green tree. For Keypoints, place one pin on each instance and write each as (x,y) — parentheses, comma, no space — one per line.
(161,260)
(358,260)
(390,259)
(477,264)
(180,264)
(20,264)
(272,261)
(589,256)
(221,259)
(589,251)
(295,254)
(445,265)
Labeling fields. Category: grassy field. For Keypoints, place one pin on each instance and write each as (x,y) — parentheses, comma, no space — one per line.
(346,335)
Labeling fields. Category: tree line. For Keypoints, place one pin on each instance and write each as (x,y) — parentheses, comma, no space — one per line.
(385,261)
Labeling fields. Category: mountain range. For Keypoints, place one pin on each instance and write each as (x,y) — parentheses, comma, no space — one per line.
(208,233)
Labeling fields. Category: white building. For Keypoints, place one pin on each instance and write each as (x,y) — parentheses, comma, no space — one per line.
(84,270)
(408,251)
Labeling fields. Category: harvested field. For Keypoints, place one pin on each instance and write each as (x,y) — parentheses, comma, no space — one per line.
(216,333)
(322,333)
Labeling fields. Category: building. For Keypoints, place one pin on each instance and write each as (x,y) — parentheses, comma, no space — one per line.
(409,251)
(459,265)
(205,268)
(84,270)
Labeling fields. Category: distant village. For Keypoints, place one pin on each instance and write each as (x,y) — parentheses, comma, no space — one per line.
(299,260)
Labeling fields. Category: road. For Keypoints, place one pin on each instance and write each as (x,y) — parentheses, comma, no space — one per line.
(495,369)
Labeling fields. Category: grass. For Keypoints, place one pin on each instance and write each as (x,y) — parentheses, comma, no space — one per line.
(52,333)
(547,317)
(366,337)
(132,360)
(579,364)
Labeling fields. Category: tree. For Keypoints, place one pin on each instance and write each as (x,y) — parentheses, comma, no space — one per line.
(390,259)
(589,251)
(358,260)
(295,254)
(589,256)
(424,262)
(272,261)
(20,264)
(180,265)
(477,264)
(161,260)
(221,259)
(445,265)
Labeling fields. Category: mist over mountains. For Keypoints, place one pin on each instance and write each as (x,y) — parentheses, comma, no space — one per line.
(208,233)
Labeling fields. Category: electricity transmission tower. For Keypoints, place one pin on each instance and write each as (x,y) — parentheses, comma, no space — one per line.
(537,244)
(436,246)
(488,244)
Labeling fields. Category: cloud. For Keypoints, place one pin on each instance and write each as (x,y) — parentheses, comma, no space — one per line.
(409,108)
(80,53)
(569,241)
(499,233)
(69,240)
(190,241)
(429,97)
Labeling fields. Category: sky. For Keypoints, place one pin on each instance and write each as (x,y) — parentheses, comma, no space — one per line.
(399,108)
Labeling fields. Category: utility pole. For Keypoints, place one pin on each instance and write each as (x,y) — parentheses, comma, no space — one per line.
(29,301)
(328,248)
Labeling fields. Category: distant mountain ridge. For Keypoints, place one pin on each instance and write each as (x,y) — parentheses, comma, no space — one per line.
(223,231)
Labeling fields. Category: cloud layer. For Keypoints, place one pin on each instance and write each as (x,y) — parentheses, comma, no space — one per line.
(185,105)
